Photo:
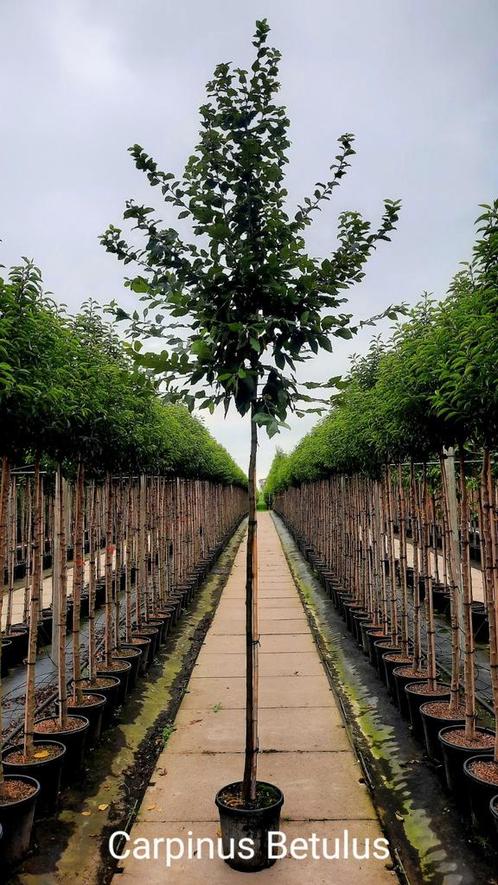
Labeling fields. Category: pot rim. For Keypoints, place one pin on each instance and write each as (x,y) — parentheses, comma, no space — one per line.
(474,777)
(32,796)
(493,806)
(14,747)
(453,723)
(85,723)
(424,682)
(247,812)
(99,688)
(124,669)
(457,747)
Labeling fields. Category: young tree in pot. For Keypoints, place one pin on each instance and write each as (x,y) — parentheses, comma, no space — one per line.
(470,390)
(252,299)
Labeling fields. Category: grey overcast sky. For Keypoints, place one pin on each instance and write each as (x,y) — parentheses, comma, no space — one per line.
(415,80)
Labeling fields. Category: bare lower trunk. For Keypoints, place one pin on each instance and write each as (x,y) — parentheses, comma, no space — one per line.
(34,608)
(252,636)
(4,497)
(62,589)
(78,583)
(451,533)
(468,660)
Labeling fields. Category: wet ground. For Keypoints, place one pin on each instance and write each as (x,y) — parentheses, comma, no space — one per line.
(421,821)
(73,848)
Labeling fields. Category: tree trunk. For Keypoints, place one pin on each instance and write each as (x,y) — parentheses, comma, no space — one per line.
(62,592)
(469,651)
(252,635)
(4,497)
(489,529)
(34,607)
(451,519)
(78,574)
(93,551)
(109,550)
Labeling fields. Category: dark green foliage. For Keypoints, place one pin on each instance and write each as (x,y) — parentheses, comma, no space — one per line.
(435,385)
(70,391)
(239,306)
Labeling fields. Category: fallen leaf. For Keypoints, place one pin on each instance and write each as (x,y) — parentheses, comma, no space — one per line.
(86,813)
(41,754)
(103,806)
(195,721)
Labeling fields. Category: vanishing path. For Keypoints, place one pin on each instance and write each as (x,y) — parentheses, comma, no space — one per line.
(305,749)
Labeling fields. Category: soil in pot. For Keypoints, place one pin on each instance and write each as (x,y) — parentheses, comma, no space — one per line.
(391,661)
(109,687)
(418,693)
(402,676)
(120,669)
(73,735)
(481,773)
(240,822)
(457,748)
(45,766)
(18,797)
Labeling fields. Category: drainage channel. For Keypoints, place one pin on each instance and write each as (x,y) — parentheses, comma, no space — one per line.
(73,848)
(431,843)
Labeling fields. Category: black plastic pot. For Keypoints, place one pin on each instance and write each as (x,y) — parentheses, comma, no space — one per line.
(358,618)
(94,713)
(480,795)
(363,629)
(389,667)
(6,656)
(493,810)
(254,824)
(19,638)
(374,636)
(122,673)
(16,822)
(440,598)
(151,633)
(46,771)
(44,636)
(480,623)
(384,647)
(144,646)
(400,683)
(133,655)
(111,694)
(160,623)
(74,742)
(431,726)
(415,700)
(84,605)
(454,758)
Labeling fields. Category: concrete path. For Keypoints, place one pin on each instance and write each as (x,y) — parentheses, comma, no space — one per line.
(304,746)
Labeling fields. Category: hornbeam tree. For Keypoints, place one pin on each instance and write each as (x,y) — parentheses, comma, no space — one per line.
(239,305)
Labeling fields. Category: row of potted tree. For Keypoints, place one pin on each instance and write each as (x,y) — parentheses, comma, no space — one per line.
(374,493)
(128,496)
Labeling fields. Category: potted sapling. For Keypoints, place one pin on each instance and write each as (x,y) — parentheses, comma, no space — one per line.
(255,304)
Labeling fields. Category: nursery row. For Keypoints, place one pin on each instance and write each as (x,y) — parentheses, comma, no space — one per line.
(150,541)
(354,530)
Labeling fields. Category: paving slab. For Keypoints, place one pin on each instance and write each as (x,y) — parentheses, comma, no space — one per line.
(304,748)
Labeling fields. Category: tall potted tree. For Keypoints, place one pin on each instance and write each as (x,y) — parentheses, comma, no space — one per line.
(250,303)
